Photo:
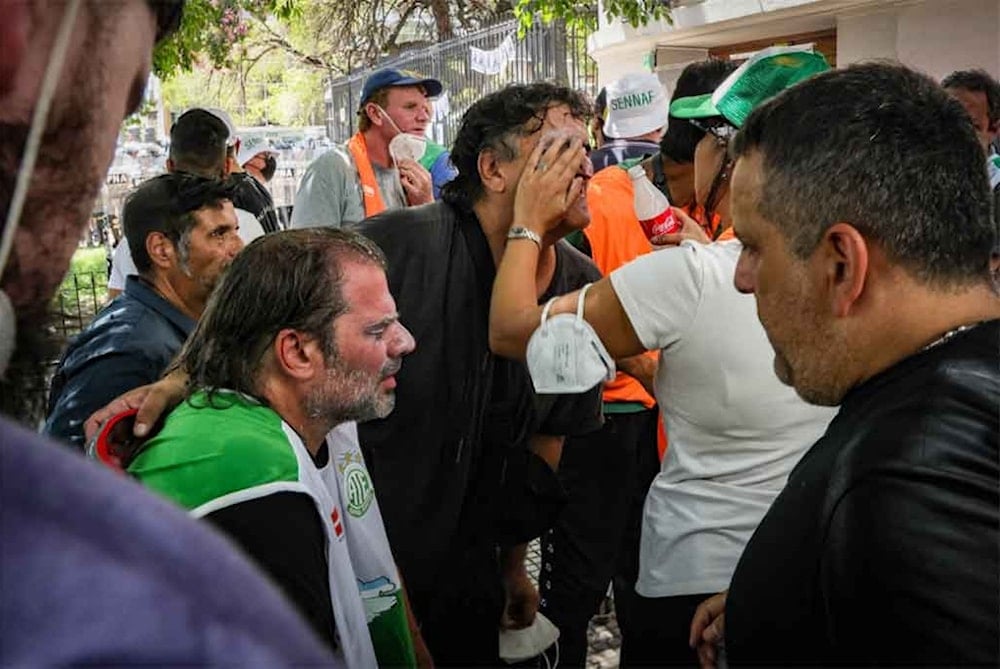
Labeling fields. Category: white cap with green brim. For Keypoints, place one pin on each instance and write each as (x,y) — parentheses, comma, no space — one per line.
(760,78)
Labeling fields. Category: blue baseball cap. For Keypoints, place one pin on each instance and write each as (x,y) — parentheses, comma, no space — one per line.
(387,77)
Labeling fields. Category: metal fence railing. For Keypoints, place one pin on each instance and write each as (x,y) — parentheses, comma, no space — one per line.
(551,52)
(81,295)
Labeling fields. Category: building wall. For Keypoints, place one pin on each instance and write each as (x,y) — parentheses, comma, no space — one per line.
(941,36)
(936,36)
(866,37)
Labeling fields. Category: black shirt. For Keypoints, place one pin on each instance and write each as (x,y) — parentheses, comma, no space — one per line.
(445,459)
(251,196)
(884,546)
(282,534)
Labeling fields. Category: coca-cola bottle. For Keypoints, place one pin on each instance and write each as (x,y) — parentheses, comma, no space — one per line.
(652,207)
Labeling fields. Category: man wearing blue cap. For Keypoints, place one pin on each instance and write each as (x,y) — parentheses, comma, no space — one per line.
(380,166)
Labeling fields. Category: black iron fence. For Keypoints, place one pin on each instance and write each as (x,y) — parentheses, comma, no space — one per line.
(81,295)
(551,52)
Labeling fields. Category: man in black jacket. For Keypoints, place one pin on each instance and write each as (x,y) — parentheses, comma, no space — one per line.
(864,210)
(459,464)
(465,464)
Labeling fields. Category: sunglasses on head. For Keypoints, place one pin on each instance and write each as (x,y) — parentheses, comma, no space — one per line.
(722,131)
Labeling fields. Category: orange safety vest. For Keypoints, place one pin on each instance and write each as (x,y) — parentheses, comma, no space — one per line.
(366,174)
(616,238)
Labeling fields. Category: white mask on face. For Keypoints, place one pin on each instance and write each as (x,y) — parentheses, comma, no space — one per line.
(404,146)
(8,322)
(565,355)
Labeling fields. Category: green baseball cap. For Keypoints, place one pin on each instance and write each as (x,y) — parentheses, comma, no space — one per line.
(760,78)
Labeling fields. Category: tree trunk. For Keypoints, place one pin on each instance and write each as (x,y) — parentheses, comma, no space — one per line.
(243,87)
(442,19)
(559,65)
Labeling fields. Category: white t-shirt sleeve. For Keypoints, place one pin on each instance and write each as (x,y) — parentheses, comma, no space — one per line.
(121,266)
(661,292)
(250,228)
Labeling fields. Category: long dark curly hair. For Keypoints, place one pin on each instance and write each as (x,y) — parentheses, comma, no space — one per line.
(495,122)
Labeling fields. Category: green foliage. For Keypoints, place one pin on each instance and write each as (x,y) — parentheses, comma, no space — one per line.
(263,84)
(87,276)
(89,260)
(213,30)
(582,16)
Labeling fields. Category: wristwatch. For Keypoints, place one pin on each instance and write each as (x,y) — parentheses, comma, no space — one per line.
(518,232)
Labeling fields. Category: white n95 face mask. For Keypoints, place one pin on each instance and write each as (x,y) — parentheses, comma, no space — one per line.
(565,355)
(405,146)
(524,644)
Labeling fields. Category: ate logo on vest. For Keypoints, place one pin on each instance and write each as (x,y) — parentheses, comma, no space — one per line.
(360,491)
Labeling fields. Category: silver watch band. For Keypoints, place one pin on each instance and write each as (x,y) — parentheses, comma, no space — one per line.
(517,232)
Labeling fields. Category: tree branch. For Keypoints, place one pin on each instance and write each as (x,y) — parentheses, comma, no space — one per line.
(275,40)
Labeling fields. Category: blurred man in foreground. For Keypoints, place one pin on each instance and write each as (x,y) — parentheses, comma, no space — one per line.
(91,563)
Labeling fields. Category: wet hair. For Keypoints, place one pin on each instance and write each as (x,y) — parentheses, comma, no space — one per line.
(495,122)
(887,150)
(166,204)
(198,143)
(290,279)
(681,137)
(978,81)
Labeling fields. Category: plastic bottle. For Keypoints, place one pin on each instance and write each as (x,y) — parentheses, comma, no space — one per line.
(652,207)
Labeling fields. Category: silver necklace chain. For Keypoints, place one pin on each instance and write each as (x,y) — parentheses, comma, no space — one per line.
(947,336)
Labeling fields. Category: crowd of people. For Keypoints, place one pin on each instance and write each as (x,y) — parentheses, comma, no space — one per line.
(772,432)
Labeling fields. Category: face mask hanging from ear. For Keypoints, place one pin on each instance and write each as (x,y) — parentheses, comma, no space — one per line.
(8,319)
(565,355)
(404,146)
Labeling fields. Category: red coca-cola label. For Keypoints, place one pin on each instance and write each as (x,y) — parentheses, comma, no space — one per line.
(663,224)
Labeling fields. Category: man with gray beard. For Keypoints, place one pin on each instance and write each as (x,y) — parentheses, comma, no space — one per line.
(89,563)
(300,338)
(183,232)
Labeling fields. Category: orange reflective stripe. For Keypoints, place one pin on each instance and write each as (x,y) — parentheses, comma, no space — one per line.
(661,438)
(369,185)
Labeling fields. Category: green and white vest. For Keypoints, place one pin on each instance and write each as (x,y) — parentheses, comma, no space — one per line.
(210,456)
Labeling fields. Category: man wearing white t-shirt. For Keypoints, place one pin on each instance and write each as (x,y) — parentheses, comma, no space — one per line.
(735,430)
(198,144)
